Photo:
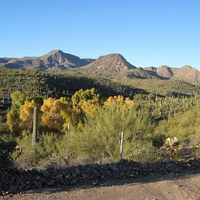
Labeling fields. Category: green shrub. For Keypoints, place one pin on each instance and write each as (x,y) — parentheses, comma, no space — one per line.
(196,152)
(144,152)
(49,147)
(185,126)
(100,136)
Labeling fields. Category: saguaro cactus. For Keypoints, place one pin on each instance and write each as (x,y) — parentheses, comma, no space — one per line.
(35,124)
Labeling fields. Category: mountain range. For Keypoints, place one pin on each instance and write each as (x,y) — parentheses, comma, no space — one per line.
(113,66)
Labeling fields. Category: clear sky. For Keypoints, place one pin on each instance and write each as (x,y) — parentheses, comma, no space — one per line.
(145,32)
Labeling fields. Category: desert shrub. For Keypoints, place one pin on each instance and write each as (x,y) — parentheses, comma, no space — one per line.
(56,162)
(144,152)
(49,147)
(3,128)
(100,135)
(192,141)
(27,158)
(158,140)
(195,152)
(185,126)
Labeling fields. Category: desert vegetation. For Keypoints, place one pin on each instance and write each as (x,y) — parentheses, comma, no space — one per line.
(87,126)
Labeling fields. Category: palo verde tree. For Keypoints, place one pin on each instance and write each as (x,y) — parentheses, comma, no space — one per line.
(13,119)
(55,114)
(20,116)
(26,112)
(84,102)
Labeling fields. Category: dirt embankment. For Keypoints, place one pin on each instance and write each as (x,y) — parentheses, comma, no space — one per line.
(156,187)
(123,180)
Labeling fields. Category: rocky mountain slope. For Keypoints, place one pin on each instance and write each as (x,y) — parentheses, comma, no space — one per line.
(113,66)
(186,73)
(54,61)
(108,63)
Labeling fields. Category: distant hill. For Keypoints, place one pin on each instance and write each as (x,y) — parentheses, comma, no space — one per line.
(185,73)
(108,63)
(57,60)
(112,66)
(162,71)
(54,61)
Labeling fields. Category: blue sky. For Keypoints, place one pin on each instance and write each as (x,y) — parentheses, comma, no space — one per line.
(145,32)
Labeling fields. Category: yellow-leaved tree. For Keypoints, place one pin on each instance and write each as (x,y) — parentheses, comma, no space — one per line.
(26,114)
(13,120)
(84,102)
(56,114)
(120,101)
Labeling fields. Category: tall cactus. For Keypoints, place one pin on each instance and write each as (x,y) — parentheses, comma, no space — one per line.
(35,124)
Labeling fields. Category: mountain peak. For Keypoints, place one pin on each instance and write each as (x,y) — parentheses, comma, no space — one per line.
(186,67)
(57,51)
(58,58)
(114,62)
(53,52)
(112,56)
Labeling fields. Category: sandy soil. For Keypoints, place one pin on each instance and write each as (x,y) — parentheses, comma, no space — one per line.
(176,187)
